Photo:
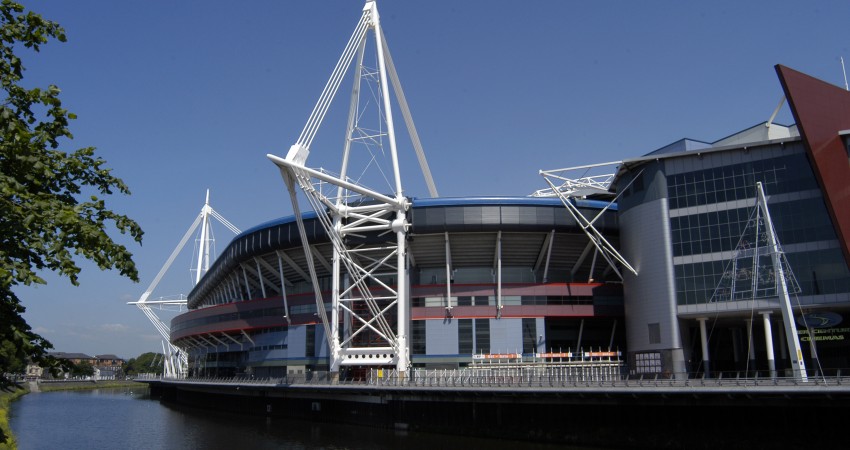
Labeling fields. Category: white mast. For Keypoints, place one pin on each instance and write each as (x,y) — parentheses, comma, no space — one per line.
(177,364)
(798,366)
(204,248)
(369,281)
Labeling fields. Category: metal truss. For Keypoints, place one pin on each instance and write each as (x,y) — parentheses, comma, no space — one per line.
(368,229)
(749,277)
(176,362)
(567,188)
(588,184)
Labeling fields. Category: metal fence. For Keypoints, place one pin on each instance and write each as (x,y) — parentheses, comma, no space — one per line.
(514,378)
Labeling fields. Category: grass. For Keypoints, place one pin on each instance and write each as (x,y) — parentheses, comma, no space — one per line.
(82,385)
(7,439)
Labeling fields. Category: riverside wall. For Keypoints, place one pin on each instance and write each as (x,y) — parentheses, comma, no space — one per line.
(645,414)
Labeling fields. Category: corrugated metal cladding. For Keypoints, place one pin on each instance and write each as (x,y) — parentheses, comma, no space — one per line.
(459,215)
(438,219)
(259,241)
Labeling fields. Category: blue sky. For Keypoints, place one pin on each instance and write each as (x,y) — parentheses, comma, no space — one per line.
(183,96)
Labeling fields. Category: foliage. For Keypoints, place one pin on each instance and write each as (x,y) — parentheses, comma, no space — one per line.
(44,221)
(7,395)
(9,360)
(82,369)
(145,363)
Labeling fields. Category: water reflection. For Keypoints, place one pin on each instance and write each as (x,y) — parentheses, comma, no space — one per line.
(130,419)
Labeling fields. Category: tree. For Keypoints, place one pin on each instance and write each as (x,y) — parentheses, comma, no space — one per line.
(82,369)
(145,363)
(9,360)
(51,210)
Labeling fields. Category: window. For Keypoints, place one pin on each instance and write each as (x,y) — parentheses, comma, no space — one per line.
(464,336)
(737,182)
(529,336)
(654,333)
(417,337)
(637,186)
(310,345)
(648,362)
(482,300)
(482,335)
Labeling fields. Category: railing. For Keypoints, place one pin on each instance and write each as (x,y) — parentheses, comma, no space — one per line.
(528,378)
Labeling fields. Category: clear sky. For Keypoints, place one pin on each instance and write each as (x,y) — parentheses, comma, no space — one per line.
(181,96)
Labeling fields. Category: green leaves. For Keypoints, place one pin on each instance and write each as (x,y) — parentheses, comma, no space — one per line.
(44,224)
(144,363)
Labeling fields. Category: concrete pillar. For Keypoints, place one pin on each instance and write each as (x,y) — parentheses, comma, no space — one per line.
(751,350)
(704,342)
(768,342)
(736,343)
(783,351)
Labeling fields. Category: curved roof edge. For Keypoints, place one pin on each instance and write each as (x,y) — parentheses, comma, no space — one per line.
(451,201)
(247,243)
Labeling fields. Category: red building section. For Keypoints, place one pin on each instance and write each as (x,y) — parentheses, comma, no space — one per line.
(822,111)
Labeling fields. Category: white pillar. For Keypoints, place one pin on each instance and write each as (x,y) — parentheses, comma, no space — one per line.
(751,351)
(335,350)
(768,341)
(704,341)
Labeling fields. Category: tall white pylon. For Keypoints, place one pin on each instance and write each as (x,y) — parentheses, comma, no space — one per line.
(367,228)
(176,359)
(759,269)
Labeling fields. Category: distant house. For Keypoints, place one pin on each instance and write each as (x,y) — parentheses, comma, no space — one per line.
(108,373)
(75,358)
(107,367)
(108,361)
(34,372)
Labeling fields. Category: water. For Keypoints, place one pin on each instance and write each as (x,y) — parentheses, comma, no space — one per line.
(129,419)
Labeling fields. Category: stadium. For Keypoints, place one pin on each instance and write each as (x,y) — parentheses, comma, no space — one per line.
(696,259)
(488,276)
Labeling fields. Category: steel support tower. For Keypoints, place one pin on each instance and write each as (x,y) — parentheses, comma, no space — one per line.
(368,229)
(176,362)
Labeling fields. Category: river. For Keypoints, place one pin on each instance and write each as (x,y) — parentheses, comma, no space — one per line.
(129,419)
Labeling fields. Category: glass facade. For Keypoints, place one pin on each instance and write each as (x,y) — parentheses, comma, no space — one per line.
(800,219)
(795,221)
(790,173)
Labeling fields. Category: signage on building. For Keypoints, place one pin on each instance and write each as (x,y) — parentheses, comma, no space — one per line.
(554,355)
(497,356)
(824,319)
(823,327)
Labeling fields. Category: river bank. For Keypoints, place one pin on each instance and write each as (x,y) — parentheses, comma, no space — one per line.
(79,385)
(7,439)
